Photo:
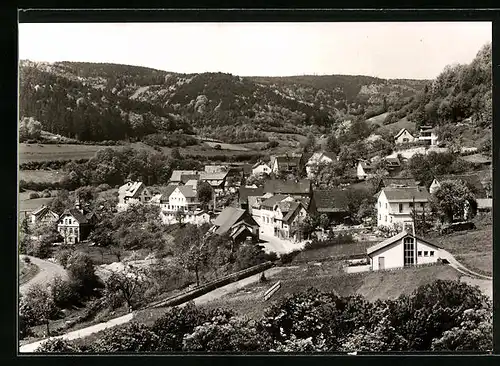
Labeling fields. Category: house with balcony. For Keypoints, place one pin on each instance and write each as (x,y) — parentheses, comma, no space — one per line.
(397,204)
(428,136)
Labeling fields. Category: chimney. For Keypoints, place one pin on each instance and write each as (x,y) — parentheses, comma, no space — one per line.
(78,205)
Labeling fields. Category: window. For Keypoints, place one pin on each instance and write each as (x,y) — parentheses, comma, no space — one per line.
(426,253)
(409,251)
(385,218)
(380,216)
(411,204)
(380,204)
(390,219)
(419,253)
(400,207)
(386,205)
(405,140)
(422,204)
(431,253)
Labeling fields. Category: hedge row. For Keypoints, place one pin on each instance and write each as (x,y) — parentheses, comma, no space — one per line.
(49,164)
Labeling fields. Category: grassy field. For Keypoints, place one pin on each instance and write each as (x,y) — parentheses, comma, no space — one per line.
(377,120)
(329,277)
(474,249)
(41,176)
(26,204)
(225,146)
(27,271)
(41,152)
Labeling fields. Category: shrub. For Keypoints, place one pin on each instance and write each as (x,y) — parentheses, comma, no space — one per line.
(34,195)
(331,240)
(132,337)
(62,257)
(217,147)
(64,293)
(57,345)
(286,258)
(46,194)
(272,144)
(27,260)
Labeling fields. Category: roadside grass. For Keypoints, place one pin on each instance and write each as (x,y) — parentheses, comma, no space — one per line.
(27,271)
(474,248)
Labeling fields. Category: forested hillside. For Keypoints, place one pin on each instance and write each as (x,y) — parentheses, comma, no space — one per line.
(459,92)
(95,102)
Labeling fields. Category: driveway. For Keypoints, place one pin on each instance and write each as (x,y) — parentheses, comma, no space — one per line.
(48,270)
(277,245)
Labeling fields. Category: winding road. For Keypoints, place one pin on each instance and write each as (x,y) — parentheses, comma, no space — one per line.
(48,270)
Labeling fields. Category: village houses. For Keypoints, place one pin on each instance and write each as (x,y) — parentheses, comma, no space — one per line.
(428,135)
(43,215)
(364,170)
(261,167)
(288,163)
(238,224)
(396,204)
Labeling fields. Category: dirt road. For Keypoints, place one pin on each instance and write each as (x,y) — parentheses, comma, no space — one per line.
(48,270)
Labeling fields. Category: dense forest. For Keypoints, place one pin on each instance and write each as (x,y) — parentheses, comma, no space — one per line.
(95,102)
(459,92)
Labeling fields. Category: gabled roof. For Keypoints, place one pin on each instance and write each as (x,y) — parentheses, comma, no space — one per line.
(177,174)
(80,217)
(213,176)
(406,194)
(167,191)
(330,200)
(187,191)
(43,210)
(276,186)
(230,216)
(260,162)
(131,189)
(472,179)
(288,160)
(365,165)
(192,182)
(244,192)
(395,238)
(318,156)
(288,209)
(156,199)
(401,132)
(396,182)
(270,202)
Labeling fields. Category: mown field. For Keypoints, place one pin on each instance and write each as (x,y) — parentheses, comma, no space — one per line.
(41,176)
(42,152)
(474,248)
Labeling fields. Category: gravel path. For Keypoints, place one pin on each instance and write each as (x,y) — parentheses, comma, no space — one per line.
(48,270)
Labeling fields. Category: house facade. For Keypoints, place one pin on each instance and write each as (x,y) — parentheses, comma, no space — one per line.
(396,205)
(238,224)
(403,137)
(402,250)
(132,193)
(216,180)
(261,168)
(364,170)
(75,224)
(286,164)
(43,216)
(428,136)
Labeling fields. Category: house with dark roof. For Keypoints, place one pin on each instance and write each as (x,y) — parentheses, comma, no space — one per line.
(216,180)
(364,170)
(397,204)
(471,180)
(75,224)
(238,224)
(332,202)
(245,192)
(392,163)
(404,137)
(43,216)
(132,193)
(396,182)
(177,176)
(402,250)
(300,188)
(288,163)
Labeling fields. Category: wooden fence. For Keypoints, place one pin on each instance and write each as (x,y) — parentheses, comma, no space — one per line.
(272,290)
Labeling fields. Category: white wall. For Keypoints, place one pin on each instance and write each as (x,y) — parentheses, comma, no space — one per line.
(394,255)
(434,186)
(67,223)
(260,169)
(403,136)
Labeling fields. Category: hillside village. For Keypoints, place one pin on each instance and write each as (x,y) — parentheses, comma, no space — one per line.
(131,227)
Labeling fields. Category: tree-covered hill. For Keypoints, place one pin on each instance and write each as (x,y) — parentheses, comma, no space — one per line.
(96,101)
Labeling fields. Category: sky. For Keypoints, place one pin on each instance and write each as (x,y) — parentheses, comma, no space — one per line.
(416,50)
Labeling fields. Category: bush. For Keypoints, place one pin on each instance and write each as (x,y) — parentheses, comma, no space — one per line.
(34,195)
(217,147)
(57,345)
(27,260)
(62,257)
(331,240)
(271,256)
(272,144)
(64,293)
(46,194)
(286,258)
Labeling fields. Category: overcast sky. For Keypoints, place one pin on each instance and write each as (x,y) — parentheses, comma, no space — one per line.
(387,50)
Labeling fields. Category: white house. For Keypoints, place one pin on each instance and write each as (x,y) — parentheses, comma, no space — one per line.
(132,192)
(402,250)
(403,137)
(364,170)
(428,135)
(395,204)
(316,159)
(261,168)
(75,224)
